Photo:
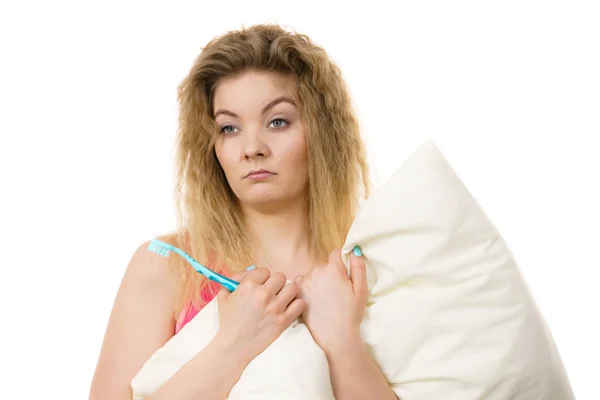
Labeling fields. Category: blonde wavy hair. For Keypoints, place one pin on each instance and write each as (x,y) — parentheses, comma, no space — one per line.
(209,222)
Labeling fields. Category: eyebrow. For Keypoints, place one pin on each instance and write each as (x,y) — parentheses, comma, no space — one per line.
(271,104)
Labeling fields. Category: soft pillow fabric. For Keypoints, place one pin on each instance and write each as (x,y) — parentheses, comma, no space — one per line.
(449,314)
(293,367)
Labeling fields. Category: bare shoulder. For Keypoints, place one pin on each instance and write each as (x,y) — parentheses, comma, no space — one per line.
(148,268)
(141,321)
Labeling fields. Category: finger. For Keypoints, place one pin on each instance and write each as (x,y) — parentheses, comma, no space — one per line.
(358,275)
(294,310)
(335,259)
(258,275)
(275,283)
(240,276)
(299,279)
(286,295)
(335,256)
(222,294)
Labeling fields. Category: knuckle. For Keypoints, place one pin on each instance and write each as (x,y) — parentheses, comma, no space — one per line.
(264,272)
(246,285)
(294,289)
(278,275)
(271,309)
(301,306)
(263,296)
(281,320)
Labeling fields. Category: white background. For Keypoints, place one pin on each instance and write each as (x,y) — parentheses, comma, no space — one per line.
(509,91)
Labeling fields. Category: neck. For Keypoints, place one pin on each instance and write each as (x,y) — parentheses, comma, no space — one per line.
(280,241)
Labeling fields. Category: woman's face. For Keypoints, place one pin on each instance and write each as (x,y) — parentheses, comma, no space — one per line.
(261,146)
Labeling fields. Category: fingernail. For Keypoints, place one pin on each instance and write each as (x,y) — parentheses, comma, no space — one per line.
(357,251)
(250,267)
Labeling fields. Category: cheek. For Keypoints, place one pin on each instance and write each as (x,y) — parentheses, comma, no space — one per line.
(224,157)
(296,160)
(296,152)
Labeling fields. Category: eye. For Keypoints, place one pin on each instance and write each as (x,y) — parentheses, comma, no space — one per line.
(281,120)
(225,131)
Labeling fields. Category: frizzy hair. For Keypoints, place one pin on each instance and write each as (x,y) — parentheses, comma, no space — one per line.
(209,222)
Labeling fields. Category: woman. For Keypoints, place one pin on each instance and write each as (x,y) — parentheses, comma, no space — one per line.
(270,170)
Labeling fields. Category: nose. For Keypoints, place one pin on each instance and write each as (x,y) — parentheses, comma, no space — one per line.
(255,144)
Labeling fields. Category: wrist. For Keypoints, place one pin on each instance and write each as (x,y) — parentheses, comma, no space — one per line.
(346,343)
(232,351)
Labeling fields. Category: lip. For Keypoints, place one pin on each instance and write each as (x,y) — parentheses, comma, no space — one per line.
(259,174)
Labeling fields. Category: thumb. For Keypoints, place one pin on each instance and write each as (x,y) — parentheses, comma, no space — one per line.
(238,277)
(358,274)
(222,294)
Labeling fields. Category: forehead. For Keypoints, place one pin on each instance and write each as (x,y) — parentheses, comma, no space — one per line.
(251,90)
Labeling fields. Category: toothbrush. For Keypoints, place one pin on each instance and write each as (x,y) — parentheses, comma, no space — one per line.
(163,249)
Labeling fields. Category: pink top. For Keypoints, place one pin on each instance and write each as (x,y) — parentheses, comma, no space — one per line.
(189,311)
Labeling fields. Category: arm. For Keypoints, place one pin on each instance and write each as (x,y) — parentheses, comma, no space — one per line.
(142,320)
(354,374)
(211,374)
(250,319)
(334,312)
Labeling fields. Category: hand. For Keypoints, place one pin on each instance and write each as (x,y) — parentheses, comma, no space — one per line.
(335,303)
(257,312)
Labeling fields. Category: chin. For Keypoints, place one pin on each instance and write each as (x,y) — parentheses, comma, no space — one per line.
(259,201)
(268,200)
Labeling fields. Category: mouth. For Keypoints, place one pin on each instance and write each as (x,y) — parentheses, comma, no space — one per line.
(259,174)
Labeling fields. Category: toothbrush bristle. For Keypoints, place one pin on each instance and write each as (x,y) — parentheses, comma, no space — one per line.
(158,249)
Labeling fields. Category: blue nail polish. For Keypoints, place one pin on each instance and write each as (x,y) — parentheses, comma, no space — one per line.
(357,251)
(250,268)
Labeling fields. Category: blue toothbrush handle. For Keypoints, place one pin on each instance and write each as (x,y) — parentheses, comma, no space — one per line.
(229,284)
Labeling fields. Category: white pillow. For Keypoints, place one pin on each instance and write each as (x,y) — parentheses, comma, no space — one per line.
(293,367)
(449,314)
